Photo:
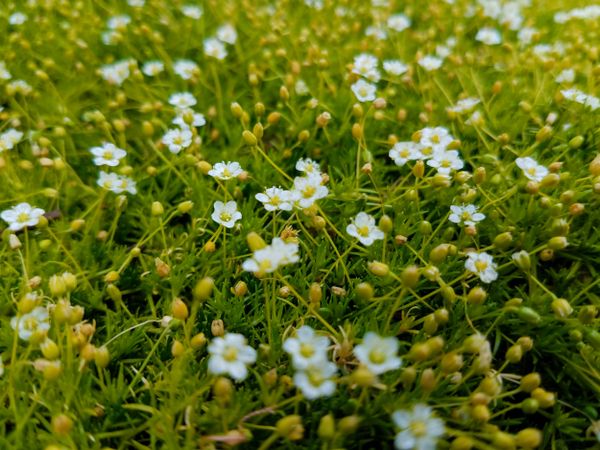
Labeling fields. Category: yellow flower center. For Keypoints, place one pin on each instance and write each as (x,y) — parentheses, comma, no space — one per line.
(363,231)
(275,200)
(107,154)
(481,265)
(309,191)
(226,172)
(418,428)
(22,217)
(307,350)
(435,139)
(315,377)
(377,356)
(466,215)
(531,171)
(230,354)
(225,216)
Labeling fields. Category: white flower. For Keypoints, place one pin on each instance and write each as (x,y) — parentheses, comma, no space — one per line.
(35,321)
(445,161)
(307,348)
(118,22)
(364,92)
(192,11)
(465,105)
(363,228)
(115,73)
(566,76)
(230,355)
(153,68)
(116,183)
(17,18)
(419,429)
(226,33)
(402,152)
(4,73)
(489,36)
(482,265)
(377,32)
(226,214)
(182,100)
(177,139)
(531,169)
(136,3)
(466,214)
(110,37)
(307,166)
(9,139)
(308,190)
(437,138)
(378,354)
(19,87)
(275,198)
(316,380)
(365,65)
(107,154)
(185,68)
(198,119)
(526,35)
(398,22)
(395,67)
(21,216)
(226,170)
(429,62)
(215,48)
(272,257)
(301,88)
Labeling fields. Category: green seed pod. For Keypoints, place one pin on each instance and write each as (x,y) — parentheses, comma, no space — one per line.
(576,142)
(528,315)
(530,406)
(249,138)
(378,269)
(326,427)
(364,291)
(386,224)
(410,277)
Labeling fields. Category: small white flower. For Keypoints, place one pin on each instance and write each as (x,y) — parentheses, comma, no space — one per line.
(482,265)
(192,11)
(17,18)
(365,65)
(566,76)
(489,36)
(419,429)
(9,139)
(395,67)
(198,120)
(364,92)
(446,161)
(402,152)
(363,228)
(214,48)
(136,3)
(35,321)
(316,380)
(4,73)
(274,199)
(19,87)
(531,169)
(116,183)
(115,73)
(226,170)
(301,88)
(226,33)
(430,63)
(466,214)
(21,216)
(185,68)
(226,214)
(177,139)
(118,22)
(436,138)
(308,189)
(378,354)
(306,348)
(377,32)
(153,68)
(271,257)
(182,100)
(230,355)
(307,166)
(398,22)
(107,154)
(464,106)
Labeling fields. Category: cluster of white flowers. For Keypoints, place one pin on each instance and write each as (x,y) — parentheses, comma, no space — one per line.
(108,154)
(116,73)
(21,216)
(9,139)
(577,96)
(432,147)
(230,355)
(489,36)
(271,257)
(186,119)
(506,13)
(116,183)
(591,12)
(116,25)
(215,46)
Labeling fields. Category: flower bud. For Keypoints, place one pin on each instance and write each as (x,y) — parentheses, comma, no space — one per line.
(529,438)
(177,349)
(438,254)
(326,428)
(576,142)
(378,269)
(410,277)
(558,243)
(477,296)
(290,427)
(545,399)
(102,357)
(514,354)
(57,285)
(530,406)
(236,110)
(179,309)
(62,425)
(595,166)
(249,138)
(348,425)
(418,169)
(315,294)
(462,443)
(386,224)
(480,413)
(364,291)
(530,382)
(561,308)
(223,390)
(49,349)
(203,289)
(428,381)
(451,362)
(255,242)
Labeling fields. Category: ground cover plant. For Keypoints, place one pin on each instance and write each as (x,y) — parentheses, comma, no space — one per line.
(316,224)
